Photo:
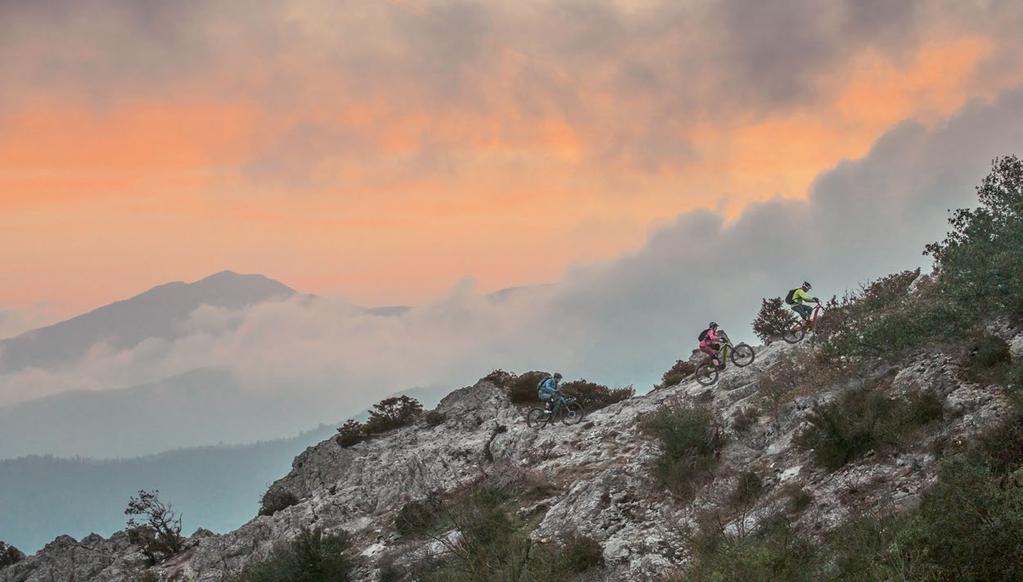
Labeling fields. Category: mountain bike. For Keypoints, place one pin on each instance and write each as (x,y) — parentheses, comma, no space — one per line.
(564,408)
(797,331)
(740,354)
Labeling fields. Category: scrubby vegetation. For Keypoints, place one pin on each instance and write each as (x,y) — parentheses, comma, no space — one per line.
(434,418)
(988,360)
(969,526)
(154,527)
(313,556)
(679,372)
(9,555)
(744,418)
(392,413)
(416,518)
(388,414)
(275,500)
(981,259)
(522,389)
(593,396)
(350,433)
(689,442)
(492,541)
(773,319)
(863,420)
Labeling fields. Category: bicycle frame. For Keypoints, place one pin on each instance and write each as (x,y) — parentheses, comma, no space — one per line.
(558,399)
(818,310)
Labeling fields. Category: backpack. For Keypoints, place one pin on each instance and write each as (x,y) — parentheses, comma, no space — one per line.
(541,388)
(703,335)
(789,298)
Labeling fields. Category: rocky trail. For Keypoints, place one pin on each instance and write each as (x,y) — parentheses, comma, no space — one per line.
(599,471)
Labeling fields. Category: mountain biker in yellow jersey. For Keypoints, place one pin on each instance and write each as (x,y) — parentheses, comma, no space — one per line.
(798,298)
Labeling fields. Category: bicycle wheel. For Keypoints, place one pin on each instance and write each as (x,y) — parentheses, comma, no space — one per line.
(536,417)
(742,355)
(707,373)
(794,334)
(571,412)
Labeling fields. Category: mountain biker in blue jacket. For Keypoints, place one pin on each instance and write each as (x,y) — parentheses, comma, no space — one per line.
(547,388)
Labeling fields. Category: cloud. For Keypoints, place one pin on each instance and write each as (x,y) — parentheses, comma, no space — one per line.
(622,321)
(630,79)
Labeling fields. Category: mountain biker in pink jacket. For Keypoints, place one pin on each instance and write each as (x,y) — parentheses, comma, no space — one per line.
(710,342)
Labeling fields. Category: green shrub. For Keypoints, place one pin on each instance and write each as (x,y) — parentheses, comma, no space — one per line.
(1000,447)
(9,555)
(154,527)
(522,389)
(350,433)
(862,420)
(774,551)
(923,408)
(883,320)
(798,498)
(434,418)
(581,553)
(494,541)
(417,517)
(391,413)
(594,396)
(988,361)
(974,525)
(981,258)
(991,351)
(310,557)
(744,418)
(1014,385)
(275,500)
(689,443)
(887,547)
(773,319)
(748,488)
(499,377)
(679,372)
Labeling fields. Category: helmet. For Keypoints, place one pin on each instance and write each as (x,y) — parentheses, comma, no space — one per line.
(712,324)
(807,285)
(557,375)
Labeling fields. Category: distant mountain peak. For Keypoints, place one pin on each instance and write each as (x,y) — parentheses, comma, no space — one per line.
(155,313)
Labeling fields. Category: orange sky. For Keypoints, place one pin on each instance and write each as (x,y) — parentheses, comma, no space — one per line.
(390,185)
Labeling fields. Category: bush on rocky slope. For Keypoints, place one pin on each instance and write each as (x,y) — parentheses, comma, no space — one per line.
(275,500)
(981,258)
(311,557)
(391,413)
(679,372)
(154,527)
(772,319)
(593,396)
(689,443)
(968,526)
(863,420)
(521,389)
(885,320)
(351,433)
(493,541)
(9,555)
(988,360)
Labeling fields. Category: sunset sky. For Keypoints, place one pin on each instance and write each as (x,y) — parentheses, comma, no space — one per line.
(384,150)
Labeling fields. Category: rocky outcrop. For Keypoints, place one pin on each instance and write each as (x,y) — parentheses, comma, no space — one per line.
(600,468)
